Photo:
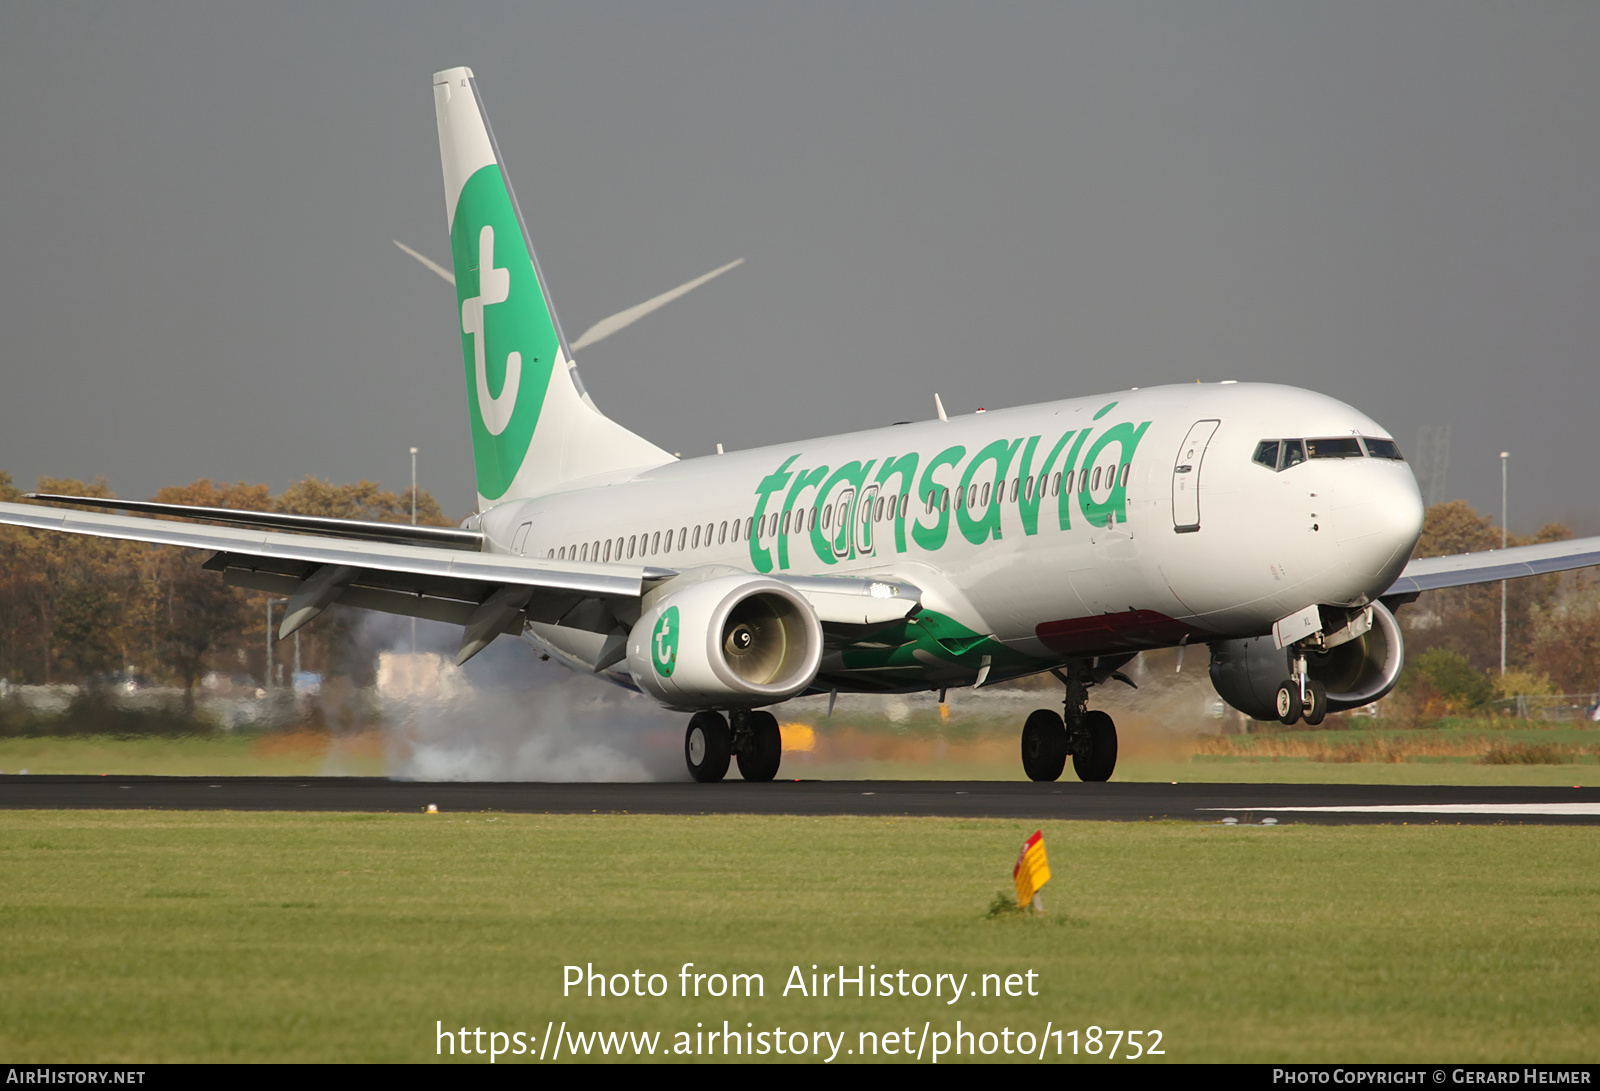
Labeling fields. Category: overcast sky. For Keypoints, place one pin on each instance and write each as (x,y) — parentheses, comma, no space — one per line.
(1395,204)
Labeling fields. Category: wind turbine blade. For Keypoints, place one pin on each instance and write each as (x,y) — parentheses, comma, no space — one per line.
(429,262)
(623,319)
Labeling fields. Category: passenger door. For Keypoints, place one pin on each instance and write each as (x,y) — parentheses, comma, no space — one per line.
(1186,477)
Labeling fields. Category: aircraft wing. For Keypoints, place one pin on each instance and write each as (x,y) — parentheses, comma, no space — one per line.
(1491,565)
(445,537)
(486,593)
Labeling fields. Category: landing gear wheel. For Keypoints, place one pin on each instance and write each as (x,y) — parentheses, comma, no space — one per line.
(1101,758)
(1288,704)
(706,747)
(1044,745)
(763,750)
(1316,703)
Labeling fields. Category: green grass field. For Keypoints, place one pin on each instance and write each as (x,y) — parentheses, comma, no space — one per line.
(146,936)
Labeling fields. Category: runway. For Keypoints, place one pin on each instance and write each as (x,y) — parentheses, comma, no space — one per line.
(1063,801)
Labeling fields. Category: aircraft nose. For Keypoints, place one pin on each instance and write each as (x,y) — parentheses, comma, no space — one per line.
(1379,523)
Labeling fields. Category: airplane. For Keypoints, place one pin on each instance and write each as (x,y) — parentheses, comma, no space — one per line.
(1272,524)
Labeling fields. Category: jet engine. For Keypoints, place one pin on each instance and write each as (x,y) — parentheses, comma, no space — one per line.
(726,642)
(1247,673)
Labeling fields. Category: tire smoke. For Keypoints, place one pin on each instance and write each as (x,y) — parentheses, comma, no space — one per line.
(509,716)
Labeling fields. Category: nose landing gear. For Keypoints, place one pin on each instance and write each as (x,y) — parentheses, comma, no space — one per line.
(1302,697)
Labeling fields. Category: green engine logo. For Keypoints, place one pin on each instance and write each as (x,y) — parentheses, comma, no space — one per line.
(664,642)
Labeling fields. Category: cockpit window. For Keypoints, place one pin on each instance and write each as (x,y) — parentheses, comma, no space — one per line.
(1343,447)
(1281,454)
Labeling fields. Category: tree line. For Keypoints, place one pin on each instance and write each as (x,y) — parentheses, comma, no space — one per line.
(1453,636)
(90,610)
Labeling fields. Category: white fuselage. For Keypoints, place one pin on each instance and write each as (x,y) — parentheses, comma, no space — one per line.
(1178,535)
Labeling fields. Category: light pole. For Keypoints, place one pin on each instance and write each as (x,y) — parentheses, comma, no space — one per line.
(413,523)
(1504,455)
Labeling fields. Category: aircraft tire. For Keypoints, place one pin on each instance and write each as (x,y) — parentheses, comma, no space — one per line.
(707,747)
(1101,760)
(1316,709)
(1044,745)
(760,758)
(1288,704)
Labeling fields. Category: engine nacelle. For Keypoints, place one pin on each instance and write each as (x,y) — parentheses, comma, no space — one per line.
(726,642)
(1247,673)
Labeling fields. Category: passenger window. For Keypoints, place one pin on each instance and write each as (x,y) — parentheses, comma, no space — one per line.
(905,502)
(944,500)
(561,554)
(551,555)
(722,533)
(1055,484)
(1016,486)
(696,543)
(880,509)
(1027,488)
(983,500)
(787,517)
(1070,475)
(655,543)
(1267,453)
(683,536)
(1294,453)
(584,556)
(1126,466)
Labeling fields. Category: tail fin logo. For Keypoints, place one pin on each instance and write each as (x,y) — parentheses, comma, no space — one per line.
(494,286)
(508,340)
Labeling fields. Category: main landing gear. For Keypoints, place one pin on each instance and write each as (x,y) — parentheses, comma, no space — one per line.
(752,739)
(1089,736)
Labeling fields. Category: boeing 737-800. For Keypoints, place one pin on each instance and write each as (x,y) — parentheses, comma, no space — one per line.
(1272,524)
